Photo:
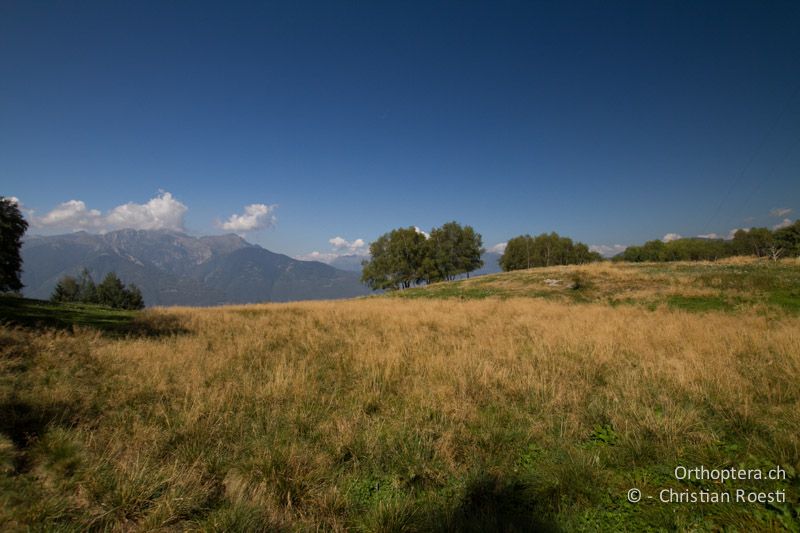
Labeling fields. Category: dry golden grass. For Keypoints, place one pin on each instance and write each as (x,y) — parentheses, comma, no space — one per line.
(391,414)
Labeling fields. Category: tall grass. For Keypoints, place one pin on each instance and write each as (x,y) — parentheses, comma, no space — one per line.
(395,415)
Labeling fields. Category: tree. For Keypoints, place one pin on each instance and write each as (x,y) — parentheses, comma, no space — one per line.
(67,290)
(470,249)
(756,241)
(405,257)
(87,290)
(12,228)
(452,250)
(397,260)
(133,298)
(517,254)
(788,239)
(546,249)
(111,292)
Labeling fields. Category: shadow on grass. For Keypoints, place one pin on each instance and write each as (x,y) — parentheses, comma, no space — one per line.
(493,504)
(37,314)
(24,422)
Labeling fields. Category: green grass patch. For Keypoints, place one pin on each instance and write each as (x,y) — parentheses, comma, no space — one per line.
(37,314)
(788,299)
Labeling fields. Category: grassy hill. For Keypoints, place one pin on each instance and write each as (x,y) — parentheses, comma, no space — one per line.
(505,402)
(732,284)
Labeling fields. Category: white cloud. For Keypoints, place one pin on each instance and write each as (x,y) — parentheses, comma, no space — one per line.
(780,212)
(357,247)
(421,232)
(255,217)
(710,236)
(498,248)
(671,237)
(13,200)
(339,247)
(317,256)
(71,215)
(161,212)
(608,251)
(785,223)
(732,232)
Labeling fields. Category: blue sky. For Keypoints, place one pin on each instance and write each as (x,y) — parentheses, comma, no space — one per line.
(612,124)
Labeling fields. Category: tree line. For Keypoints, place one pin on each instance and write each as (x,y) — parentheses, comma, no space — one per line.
(405,257)
(759,242)
(110,292)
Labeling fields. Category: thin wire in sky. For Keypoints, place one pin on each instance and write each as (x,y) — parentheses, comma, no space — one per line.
(752,158)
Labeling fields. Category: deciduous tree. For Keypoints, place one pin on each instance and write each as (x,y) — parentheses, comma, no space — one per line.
(12,228)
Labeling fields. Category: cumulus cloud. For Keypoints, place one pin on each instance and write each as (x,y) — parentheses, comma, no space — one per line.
(710,236)
(71,215)
(318,256)
(421,232)
(255,217)
(785,223)
(498,248)
(608,250)
(161,212)
(339,247)
(671,237)
(780,212)
(357,247)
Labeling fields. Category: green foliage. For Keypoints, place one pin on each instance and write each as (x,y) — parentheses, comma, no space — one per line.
(603,435)
(678,250)
(757,242)
(67,290)
(12,228)
(788,240)
(404,257)
(87,291)
(111,292)
(452,250)
(760,242)
(397,260)
(545,250)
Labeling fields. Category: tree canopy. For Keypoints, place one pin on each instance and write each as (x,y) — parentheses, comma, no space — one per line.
(12,228)
(405,257)
(452,250)
(110,292)
(546,249)
(760,242)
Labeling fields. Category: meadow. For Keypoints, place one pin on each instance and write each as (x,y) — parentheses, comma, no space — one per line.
(531,400)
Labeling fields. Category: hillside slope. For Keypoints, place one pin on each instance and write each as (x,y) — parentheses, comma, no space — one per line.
(723,285)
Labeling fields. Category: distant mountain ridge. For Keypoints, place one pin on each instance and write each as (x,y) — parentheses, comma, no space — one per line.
(173,268)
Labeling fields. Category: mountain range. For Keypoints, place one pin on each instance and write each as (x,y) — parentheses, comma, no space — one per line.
(173,268)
